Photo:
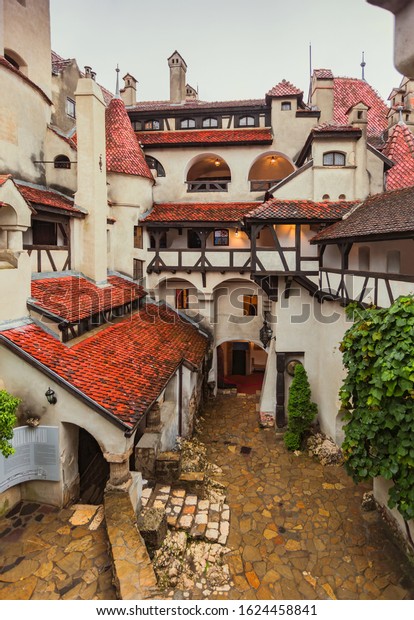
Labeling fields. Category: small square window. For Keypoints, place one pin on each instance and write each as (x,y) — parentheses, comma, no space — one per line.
(286,105)
(193,240)
(70,108)
(221,237)
(138,272)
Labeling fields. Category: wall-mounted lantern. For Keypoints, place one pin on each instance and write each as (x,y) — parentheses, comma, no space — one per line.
(51,396)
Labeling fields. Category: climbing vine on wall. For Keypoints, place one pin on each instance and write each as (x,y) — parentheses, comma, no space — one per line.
(378,392)
(8,407)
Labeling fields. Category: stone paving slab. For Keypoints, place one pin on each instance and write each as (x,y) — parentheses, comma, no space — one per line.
(296,529)
(46,553)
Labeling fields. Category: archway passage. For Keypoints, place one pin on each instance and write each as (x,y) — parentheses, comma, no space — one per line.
(209,173)
(241,365)
(269,169)
(93,469)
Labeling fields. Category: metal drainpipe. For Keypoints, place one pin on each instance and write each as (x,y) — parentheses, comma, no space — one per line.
(180,400)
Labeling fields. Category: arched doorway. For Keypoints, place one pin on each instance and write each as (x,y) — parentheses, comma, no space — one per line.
(93,469)
(241,364)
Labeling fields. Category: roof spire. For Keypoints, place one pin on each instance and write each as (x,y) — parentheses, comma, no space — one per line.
(363,64)
(117,93)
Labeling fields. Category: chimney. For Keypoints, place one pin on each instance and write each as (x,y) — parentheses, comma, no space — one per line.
(178,69)
(358,117)
(129,92)
(91,194)
(322,93)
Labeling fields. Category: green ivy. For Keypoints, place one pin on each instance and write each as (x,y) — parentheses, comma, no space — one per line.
(301,411)
(8,407)
(378,393)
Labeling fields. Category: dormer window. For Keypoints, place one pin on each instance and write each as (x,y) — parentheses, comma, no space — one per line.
(247,121)
(286,105)
(61,161)
(334,158)
(152,125)
(210,122)
(187,123)
(136,125)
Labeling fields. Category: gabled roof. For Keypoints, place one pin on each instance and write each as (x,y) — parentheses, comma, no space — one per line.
(123,368)
(348,92)
(49,198)
(386,215)
(4,178)
(70,141)
(201,136)
(284,89)
(123,153)
(400,149)
(199,212)
(291,210)
(72,298)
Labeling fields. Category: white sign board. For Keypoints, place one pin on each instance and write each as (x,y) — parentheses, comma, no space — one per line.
(36,456)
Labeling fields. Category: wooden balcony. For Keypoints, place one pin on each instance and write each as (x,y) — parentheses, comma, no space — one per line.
(49,257)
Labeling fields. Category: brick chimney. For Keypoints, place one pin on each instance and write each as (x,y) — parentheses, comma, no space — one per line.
(178,70)
(129,92)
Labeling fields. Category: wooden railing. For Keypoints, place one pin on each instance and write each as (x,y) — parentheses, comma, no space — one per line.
(50,257)
(207,186)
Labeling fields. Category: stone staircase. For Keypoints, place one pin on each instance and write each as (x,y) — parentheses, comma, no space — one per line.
(200,518)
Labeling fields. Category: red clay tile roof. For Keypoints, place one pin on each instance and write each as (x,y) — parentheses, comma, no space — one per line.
(59,63)
(201,136)
(5,63)
(48,198)
(335,127)
(276,209)
(4,178)
(143,106)
(323,74)
(123,153)
(284,89)
(400,149)
(74,298)
(382,214)
(72,143)
(123,368)
(199,212)
(350,91)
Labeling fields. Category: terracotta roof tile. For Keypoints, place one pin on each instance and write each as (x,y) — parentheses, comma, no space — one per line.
(123,153)
(350,91)
(400,149)
(4,178)
(74,298)
(335,127)
(123,368)
(383,214)
(194,104)
(300,210)
(201,136)
(323,74)
(199,212)
(48,198)
(284,89)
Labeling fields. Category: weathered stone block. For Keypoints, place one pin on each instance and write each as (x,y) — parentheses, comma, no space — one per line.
(193,482)
(168,467)
(152,524)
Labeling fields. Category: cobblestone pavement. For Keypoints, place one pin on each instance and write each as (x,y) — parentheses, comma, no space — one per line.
(50,554)
(296,527)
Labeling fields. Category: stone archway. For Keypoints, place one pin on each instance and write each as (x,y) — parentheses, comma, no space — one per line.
(241,364)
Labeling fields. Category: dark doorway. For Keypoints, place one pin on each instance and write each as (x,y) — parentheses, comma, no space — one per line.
(238,362)
(93,469)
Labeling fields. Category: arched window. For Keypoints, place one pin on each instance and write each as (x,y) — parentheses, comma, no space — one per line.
(15,60)
(210,122)
(334,158)
(325,197)
(247,121)
(61,161)
(187,123)
(152,124)
(341,197)
(154,164)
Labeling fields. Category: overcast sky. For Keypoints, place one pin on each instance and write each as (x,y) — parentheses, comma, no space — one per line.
(234,49)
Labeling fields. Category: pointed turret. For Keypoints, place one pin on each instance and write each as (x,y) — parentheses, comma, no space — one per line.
(123,153)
